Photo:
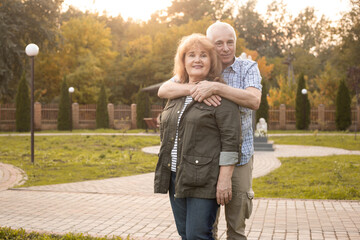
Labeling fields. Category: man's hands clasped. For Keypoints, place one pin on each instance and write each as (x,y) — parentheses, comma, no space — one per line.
(204,92)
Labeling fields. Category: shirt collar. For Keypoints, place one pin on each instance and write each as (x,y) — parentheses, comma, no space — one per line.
(235,66)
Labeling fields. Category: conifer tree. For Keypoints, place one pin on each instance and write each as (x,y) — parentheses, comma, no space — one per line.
(302,107)
(343,107)
(142,109)
(263,111)
(64,118)
(102,115)
(23,106)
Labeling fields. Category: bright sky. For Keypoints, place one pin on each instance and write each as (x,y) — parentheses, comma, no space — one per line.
(142,9)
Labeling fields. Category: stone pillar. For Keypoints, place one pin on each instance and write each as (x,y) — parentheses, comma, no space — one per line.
(321,116)
(358,117)
(133,116)
(37,116)
(110,108)
(75,115)
(282,117)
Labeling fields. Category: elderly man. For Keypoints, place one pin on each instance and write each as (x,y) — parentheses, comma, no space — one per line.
(244,88)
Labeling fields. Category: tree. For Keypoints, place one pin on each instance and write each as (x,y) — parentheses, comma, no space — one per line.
(142,108)
(64,117)
(343,107)
(102,115)
(21,22)
(23,106)
(302,108)
(263,111)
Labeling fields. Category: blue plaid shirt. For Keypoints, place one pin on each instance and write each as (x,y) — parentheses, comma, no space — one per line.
(243,74)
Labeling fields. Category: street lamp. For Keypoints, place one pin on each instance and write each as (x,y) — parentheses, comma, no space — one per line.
(71,90)
(32,50)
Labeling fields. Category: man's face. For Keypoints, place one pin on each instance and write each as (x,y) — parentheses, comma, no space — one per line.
(225,44)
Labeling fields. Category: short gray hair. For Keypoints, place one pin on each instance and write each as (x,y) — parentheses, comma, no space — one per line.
(219,24)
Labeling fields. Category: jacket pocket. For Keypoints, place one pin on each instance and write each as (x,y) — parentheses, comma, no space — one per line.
(195,171)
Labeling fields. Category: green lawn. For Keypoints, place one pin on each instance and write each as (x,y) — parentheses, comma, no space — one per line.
(333,177)
(62,159)
(341,141)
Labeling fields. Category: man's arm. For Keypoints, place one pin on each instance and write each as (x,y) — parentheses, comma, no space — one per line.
(171,90)
(249,97)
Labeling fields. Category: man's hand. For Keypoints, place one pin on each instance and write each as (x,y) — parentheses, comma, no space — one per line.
(224,188)
(204,91)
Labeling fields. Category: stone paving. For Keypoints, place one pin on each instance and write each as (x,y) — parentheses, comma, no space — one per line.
(127,206)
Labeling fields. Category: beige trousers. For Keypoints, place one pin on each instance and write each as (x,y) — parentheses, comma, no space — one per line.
(240,207)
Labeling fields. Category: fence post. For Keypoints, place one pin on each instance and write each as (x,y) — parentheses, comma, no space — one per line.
(321,116)
(37,116)
(133,116)
(75,115)
(282,117)
(110,108)
(358,117)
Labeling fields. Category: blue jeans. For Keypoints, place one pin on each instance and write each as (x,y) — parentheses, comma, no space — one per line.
(194,217)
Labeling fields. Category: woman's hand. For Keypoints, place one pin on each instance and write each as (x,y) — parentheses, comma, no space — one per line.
(224,188)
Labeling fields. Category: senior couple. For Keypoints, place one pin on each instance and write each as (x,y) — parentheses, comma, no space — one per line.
(206,153)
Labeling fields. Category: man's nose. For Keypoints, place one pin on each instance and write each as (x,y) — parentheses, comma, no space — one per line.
(226,47)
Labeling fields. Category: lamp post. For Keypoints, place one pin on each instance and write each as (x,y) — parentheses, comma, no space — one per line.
(32,50)
(71,90)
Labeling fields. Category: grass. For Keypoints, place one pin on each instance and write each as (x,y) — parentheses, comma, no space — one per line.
(20,234)
(341,141)
(63,159)
(333,177)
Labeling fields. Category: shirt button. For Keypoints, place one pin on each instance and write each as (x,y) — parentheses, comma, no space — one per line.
(168,164)
(179,139)
(178,111)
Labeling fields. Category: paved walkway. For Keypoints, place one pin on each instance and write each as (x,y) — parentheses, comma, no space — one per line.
(127,205)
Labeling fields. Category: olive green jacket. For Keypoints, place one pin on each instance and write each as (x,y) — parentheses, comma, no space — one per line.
(207,137)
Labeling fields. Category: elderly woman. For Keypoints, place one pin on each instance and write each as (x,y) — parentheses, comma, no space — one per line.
(199,144)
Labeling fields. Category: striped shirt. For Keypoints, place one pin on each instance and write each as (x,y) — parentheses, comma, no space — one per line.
(174,150)
(243,74)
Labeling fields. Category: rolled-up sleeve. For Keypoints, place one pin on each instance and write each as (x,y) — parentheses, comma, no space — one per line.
(229,124)
(228,158)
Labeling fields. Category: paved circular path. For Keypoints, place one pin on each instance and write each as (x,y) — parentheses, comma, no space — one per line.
(127,205)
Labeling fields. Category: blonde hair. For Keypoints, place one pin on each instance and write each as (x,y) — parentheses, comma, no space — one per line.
(185,45)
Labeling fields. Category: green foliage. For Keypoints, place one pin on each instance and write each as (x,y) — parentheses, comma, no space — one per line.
(64,159)
(64,117)
(263,111)
(19,234)
(23,22)
(102,115)
(142,108)
(343,107)
(23,106)
(302,107)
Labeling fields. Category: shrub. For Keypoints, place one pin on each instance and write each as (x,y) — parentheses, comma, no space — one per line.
(302,107)
(263,111)
(343,107)
(64,117)
(23,106)
(142,108)
(102,116)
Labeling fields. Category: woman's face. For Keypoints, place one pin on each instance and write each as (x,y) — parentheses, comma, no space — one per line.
(197,63)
